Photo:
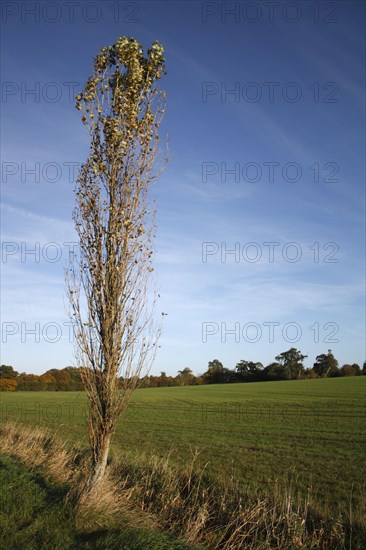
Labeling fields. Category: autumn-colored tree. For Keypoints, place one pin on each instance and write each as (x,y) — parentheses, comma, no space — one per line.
(47,381)
(164,381)
(108,281)
(62,379)
(8,384)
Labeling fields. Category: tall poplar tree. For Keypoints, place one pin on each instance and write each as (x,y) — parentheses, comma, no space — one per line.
(108,280)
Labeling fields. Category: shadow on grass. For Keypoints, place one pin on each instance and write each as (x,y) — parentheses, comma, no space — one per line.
(33,515)
(131,539)
(355,534)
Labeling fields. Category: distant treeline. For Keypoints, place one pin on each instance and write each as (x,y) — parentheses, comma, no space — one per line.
(287,366)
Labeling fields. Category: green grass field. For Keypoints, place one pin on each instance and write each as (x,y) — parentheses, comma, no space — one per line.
(310,434)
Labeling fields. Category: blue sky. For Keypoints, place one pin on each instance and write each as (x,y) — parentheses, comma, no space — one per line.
(266,128)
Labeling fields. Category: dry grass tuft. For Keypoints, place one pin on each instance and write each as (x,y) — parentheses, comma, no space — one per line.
(37,448)
(108,504)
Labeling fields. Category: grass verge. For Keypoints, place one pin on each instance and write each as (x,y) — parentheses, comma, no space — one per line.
(165,504)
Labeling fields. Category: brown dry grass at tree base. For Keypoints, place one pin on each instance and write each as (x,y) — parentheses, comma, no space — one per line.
(159,496)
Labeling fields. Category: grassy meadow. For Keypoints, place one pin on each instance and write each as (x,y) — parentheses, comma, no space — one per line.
(307,435)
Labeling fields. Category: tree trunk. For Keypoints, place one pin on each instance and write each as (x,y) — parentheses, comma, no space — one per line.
(100,457)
